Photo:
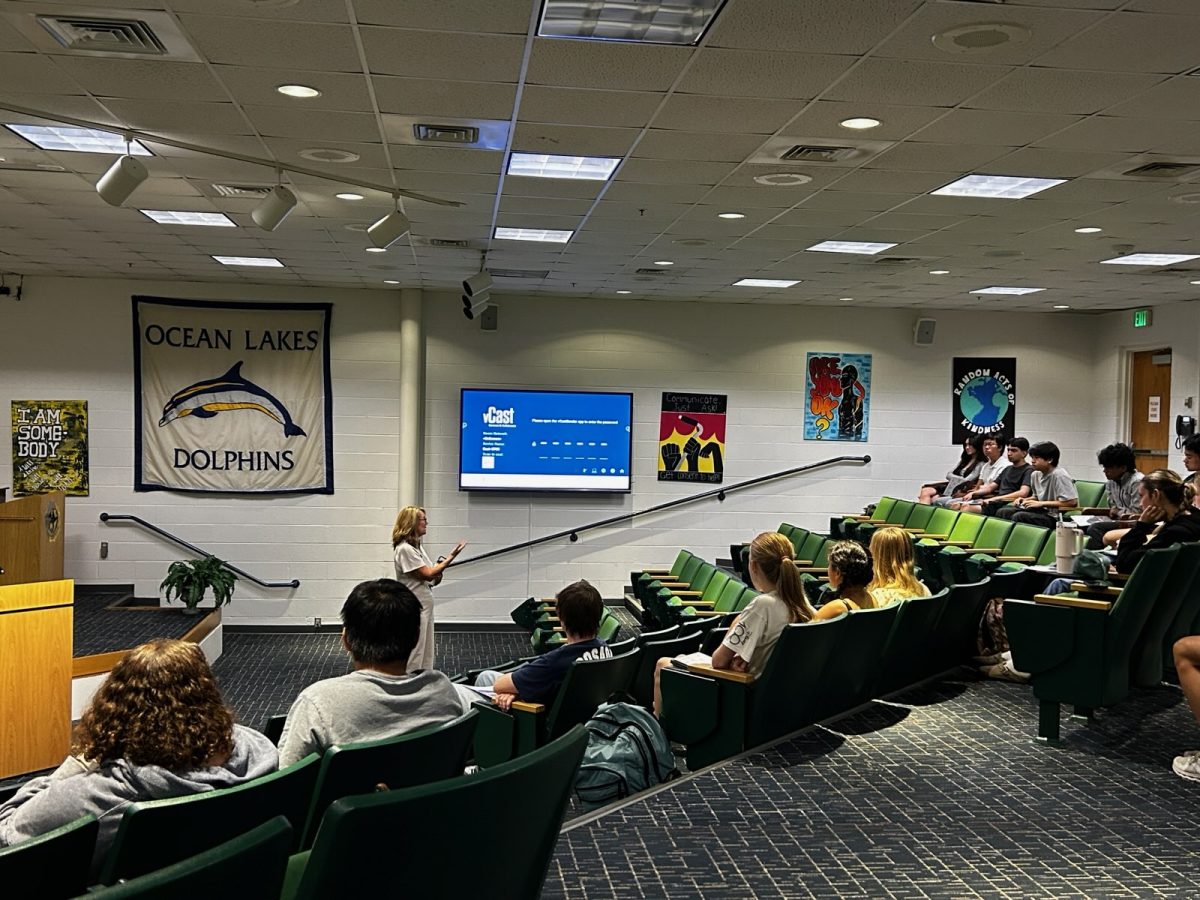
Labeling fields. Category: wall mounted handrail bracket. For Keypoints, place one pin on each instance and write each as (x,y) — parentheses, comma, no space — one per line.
(572,534)
(151,527)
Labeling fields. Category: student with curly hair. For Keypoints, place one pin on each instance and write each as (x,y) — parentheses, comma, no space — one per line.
(156,728)
(849,574)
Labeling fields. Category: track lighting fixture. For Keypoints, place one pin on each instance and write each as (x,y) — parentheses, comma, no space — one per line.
(473,306)
(480,281)
(389,229)
(121,180)
(275,207)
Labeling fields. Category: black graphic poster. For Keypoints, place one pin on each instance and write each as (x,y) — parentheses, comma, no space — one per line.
(691,438)
(983,396)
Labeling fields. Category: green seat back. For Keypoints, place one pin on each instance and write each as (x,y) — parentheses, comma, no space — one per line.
(652,651)
(664,634)
(1131,609)
(1026,540)
(993,533)
(942,520)
(1090,492)
(953,639)
(898,514)
(57,862)
(399,841)
(430,754)
(156,833)
(589,682)
(1146,664)
(748,594)
(883,508)
(251,866)
(967,527)
(786,697)
(730,594)
(905,661)
(850,674)
(920,515)
(811,547)
(610,627)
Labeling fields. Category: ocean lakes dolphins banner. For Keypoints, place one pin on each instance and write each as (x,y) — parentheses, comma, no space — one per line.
(50,447)
(232,397)
(838,391)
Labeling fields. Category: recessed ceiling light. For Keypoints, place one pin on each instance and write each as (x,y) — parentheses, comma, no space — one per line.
(731,215)
(624,292)
(77,140)
(1061,306)
(846,299)
(864,247)
(1150,259)
(783,179)
(692,242)
(376,249)
(542,235)
(579,168)
(1015,291)
(329,155)
(300,91)
(663,262)
(390,281)
(678,22)
(861,123)
(1089,230)
(182,217)
(348,196)
(765,282)
(1000,187)
(939,272)
(266,262)
(1196,282)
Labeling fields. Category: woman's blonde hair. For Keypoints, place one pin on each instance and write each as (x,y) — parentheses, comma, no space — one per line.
(159,706)
(775,556)
(405,528)
(1171,486)
(892,553)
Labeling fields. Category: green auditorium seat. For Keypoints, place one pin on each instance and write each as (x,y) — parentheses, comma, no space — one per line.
(1092,494)
(733,599)
(953,640)
(838,524)
(718,713)
(642,687)
(906,659)
(1077,649)
(549,634)
(812,551)
(1147,661)
(57,862)
(938,527)
(723,598)
(418,757)
(155,833)
(1184,623)
(850,674)
(951,558)
(662,634)
(616,649)
(1023,545)
(675,568)
(917,519)
(250,866)
(666,598)
(401,843)
(859,530)
(966,529)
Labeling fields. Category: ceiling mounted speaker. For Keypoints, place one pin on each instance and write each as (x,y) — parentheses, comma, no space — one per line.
(276,207)
(121,180)
(388,230)
(489,319)
(923,332)
(480,281)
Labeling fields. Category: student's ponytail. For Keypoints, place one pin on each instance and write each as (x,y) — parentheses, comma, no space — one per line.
(773,553)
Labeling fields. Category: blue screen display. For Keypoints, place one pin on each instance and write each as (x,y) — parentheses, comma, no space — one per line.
(545,441)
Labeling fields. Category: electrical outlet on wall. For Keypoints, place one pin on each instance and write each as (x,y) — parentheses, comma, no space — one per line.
(104,549)
(316,623)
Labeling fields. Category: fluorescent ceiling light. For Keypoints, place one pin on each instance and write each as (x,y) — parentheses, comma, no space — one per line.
(861,123)
(299,91)
(1089,230)
(377,249)
(624,292)
(182,217)
(664,22)
(1015,291)
(939,272)
(765,282)
(390,281)
(731,215)
(266,262)
(579,168)
(77,140)
(543,235)
(1150,259)
(864,247)
(348,196)
(1001,187)
(663,262)
(1061,306)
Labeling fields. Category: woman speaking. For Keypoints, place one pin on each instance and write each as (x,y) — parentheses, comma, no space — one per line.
(415,571)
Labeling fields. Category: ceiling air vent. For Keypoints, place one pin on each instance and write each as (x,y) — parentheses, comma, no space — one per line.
(90,33)
(652,271)
(449,244)
(1163,170)
(446,134)
(896,261)
(810,153)
(245,191)
(519,273)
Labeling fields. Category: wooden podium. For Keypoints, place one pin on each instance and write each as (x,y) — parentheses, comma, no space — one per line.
(35,675)
(31,539)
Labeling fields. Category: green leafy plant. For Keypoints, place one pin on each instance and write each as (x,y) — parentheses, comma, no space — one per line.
(189,580)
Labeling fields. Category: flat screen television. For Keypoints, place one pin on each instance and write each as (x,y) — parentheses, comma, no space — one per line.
(545,441)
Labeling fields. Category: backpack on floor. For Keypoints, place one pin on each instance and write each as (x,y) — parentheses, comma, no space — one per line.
(627,752)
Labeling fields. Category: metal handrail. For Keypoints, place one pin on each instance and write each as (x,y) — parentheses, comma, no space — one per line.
(720,493)
(149,526)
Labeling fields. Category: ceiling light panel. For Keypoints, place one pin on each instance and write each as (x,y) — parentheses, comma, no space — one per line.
(1013,291)
(263,262)
(1150,259)
(541,235)
(667,22)
(76,140)
(862,247)
(183,217)
(999,187)
(765,283)
(579,168)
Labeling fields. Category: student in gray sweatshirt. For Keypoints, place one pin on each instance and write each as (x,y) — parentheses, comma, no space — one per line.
(381,621)
(156,728)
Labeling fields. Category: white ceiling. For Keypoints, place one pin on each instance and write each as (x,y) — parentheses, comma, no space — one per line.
(1097,87)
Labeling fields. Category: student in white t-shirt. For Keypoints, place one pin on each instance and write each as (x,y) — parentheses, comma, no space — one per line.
(752,636)
(416,572)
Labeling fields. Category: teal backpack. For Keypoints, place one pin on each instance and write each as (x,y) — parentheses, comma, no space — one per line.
(627,752)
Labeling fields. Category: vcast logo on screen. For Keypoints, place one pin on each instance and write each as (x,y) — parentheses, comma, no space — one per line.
(495,416)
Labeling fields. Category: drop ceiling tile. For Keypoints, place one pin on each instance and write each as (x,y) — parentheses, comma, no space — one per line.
(272,121)
(1127,135)
(273,44)
(370,155)
(820,120)
(1056,91)
(1046,163)
(436,97)
(642,211)
(543,206)
(448,159)
(735,196)
(256,87)
(611,65)
(570,106)
(552,187)
(1120,44)
(973,126)
(655,193)
(819,26)
(914,82)
(686,145)
(573,140)
(747,73)
(733,115)
(663,171)
(169,117)
(455,56)
(480,16)
(921,157)
(307,12)
(35,74)
(881,181)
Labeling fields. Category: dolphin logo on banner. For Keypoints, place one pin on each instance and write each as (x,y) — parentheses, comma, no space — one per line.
(230,391)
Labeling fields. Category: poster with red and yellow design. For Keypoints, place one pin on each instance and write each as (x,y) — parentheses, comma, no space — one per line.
(838,394)
(691,438)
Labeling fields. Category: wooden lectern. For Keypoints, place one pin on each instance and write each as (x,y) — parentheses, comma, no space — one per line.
(35,671)
(31,539)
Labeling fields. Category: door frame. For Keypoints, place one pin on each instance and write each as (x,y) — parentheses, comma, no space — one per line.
(1125,385)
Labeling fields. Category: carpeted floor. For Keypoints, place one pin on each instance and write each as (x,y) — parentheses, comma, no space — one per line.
(99,629)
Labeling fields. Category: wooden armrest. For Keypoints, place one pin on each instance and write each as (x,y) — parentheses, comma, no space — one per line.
(963,544)
(1082,588)
(1093,511)
(913,529)
(550,619)
(1118,577)
(813,570)
(656,571)
(1028,559)
(1067,600)
(529,707)
(727,674)
(933,537)
(802,562)
(675,584)
(990,551)
(698,602)
(686,593)
(708,612)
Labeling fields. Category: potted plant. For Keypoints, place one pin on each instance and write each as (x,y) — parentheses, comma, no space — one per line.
(189,580)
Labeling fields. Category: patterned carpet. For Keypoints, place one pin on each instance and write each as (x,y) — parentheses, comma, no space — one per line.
(99,629)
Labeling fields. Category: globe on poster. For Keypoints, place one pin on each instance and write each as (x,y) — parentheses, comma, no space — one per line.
(984,401)
(983,396)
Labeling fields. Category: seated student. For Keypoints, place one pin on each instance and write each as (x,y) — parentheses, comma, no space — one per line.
(1191,462)
(994,462)
(381,623)
(1122,486)
(1011,484)
(1167,517)
(1051,490)
(156,728)
(849,574)
(748,644)
(580,609)
(963,473)
(895,578)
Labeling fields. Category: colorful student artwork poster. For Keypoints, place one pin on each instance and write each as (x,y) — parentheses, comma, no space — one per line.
(232,397)
(983,396)
(50,447)
(839,397)
(691,438)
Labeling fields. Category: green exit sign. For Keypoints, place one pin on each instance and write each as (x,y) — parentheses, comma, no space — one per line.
(1142,318)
